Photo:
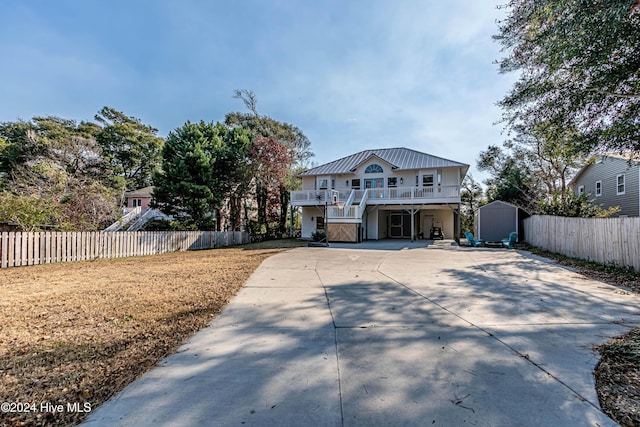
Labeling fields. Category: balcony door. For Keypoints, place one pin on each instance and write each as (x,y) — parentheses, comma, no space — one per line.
(374,183)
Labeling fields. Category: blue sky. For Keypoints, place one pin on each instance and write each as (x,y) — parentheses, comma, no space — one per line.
(352,74)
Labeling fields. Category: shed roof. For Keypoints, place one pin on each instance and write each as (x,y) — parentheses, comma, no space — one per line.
(398,158)
(499,202)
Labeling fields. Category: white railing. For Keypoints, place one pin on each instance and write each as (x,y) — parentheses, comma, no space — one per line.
(363,202)
(404,194)
(149,215)
(350,199)
(313,196)
(378,195)
(130,215)
(343,212)
(319,197)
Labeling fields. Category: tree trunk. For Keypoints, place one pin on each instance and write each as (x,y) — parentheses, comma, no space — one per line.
(284,207)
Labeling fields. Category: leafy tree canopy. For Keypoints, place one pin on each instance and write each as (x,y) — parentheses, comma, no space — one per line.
(471,198)
(579,68)
(511,177)
(130,148)
(56,175)
(573,205)
(293,138)
(200,164)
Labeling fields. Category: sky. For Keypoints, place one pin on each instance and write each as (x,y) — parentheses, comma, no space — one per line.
(351,74)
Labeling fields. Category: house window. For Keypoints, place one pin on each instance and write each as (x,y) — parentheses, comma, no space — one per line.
(319,223)
(581,190)
(620,185)
(427,180)
(355,184)
(598,188)
(324,183)
(392,181)
(136,202)
(374,168)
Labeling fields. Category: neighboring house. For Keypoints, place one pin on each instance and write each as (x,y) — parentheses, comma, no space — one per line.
(141,198)
(385,193)
(497,219)
(611,180)
(137,211)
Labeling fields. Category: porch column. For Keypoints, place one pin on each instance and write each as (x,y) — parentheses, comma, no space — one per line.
(413,223)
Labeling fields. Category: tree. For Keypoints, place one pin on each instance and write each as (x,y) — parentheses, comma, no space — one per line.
(573,205)
(200,164)
(55,176)
(471,198)
(553,158)
(295,142)
(130,148)
(293,138)
(579,68)
(28,213)
(271,160)
(511,178)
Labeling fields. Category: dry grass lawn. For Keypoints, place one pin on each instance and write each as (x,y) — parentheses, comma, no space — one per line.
(80,332)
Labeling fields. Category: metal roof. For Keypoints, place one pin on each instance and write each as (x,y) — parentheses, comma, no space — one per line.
(398,158)
(141,192)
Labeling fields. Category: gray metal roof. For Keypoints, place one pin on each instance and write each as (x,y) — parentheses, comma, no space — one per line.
(399,158)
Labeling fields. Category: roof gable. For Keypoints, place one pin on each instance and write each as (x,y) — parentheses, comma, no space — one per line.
(624,157)
(398,158)
(373,156)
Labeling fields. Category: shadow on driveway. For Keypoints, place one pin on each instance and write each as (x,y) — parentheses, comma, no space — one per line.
(428,336)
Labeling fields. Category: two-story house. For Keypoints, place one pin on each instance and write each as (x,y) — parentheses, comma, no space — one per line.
(385,193)
(611,180)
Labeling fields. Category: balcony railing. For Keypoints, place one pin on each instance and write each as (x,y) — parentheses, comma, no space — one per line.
(379,195)
(319,197)
(406,194)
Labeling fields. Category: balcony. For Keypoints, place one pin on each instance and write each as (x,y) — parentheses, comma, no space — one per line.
(379,196)
(414,195)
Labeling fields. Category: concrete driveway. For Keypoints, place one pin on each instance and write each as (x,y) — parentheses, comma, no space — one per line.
(382,335)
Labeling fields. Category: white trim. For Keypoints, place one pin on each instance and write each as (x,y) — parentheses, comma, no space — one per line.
(580,190)
(598,193)
(624,184)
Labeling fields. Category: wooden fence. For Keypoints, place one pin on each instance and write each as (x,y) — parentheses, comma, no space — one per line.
(604,240)
(21,249)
